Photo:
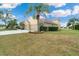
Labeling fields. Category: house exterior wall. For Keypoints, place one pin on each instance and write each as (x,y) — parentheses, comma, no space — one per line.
(26,25)
(31,25)
(56,21)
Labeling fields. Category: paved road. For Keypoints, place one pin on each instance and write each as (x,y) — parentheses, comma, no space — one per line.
(13,32)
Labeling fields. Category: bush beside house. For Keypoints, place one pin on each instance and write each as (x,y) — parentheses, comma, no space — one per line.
(42,28)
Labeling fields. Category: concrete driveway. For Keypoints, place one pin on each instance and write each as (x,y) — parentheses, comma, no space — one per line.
(13,32)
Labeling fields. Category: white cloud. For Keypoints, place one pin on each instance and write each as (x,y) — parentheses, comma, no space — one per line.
(42,17)
(8,5)
(4,15)
(75,10)
(61,13)
(47,14)
(11,16)
(56,4)
(64,24)
(67,12)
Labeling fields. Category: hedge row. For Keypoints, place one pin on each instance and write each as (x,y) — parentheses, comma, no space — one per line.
(48,28)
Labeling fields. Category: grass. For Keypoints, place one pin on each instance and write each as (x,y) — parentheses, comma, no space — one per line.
(59,43)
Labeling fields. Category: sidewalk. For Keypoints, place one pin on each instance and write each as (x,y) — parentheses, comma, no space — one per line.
(13,32)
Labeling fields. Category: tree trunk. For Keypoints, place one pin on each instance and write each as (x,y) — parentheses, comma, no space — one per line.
(5,23)
(38,17)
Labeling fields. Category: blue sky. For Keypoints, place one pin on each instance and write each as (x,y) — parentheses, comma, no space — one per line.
(63,11)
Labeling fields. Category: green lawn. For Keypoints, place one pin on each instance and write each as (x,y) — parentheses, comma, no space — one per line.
(65,42)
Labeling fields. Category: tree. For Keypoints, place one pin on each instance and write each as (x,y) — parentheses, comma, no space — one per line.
(38,9)
(22,25)
(1,14)
(73,22)
(12,24)
(4,17)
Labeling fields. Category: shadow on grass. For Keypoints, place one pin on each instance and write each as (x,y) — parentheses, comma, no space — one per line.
(36,32)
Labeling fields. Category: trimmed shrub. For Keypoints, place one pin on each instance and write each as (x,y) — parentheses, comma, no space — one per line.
(76,27)
(53,28)
(42,28)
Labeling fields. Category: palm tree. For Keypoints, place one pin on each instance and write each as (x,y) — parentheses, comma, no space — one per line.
(38,9)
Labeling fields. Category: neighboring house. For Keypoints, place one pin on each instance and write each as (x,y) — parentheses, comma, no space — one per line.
(31,24)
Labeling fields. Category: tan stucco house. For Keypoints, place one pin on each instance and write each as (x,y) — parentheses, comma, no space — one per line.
(31,24)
